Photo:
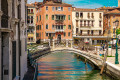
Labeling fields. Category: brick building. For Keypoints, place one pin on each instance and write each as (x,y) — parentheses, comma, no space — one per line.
(54,20)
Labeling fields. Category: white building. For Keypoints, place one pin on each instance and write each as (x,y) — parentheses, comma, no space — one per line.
(13,48)
(87,24)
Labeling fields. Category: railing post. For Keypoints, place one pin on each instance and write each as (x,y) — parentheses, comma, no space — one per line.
(53,44)
(71,43)
(49,43)
(66,42)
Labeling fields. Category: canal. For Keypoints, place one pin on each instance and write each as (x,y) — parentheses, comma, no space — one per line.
(66,66)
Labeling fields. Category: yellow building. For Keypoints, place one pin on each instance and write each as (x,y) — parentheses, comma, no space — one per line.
(31,20)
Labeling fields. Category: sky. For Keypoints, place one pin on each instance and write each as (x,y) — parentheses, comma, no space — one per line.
(87,3)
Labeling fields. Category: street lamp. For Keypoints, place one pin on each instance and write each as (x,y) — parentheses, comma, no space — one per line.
(116,55)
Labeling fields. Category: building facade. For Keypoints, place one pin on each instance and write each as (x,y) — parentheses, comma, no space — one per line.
(13,49)
(31,23)
(111,23)
(54,20)
(88,25)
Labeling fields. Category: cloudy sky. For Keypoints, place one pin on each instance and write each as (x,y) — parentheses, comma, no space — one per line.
(87,3)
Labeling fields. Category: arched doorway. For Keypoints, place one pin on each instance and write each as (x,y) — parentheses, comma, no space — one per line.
(59,38)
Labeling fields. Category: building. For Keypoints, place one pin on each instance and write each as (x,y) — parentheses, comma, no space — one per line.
(111,21)
(88,25)
(31,23)
(13,49)
(54,20)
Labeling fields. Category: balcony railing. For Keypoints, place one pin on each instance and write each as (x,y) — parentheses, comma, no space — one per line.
(59,21)
(86,26)
(59,30)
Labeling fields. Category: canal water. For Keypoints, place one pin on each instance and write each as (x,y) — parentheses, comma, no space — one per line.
(66,66)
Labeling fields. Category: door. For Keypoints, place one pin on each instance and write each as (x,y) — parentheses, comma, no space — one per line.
(5,56)
(59,38)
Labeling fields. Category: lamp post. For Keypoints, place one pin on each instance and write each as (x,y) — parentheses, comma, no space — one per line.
(116,55)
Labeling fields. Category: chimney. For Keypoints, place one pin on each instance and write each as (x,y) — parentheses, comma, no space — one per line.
(118,3)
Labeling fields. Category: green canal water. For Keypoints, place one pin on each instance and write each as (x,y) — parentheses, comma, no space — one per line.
(66,66)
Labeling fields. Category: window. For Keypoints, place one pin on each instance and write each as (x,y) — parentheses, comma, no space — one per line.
(92,15)
(81,23)
(28,10)
(31,19)
(81,32)
(69,26)
(40,27)
(84,23)
(69,9)
(46,34)
(46,7)
(53,27)
(31,10)
(100,15)
(64,34)
(88,32)
(92,23)
(81,15)
(52,17)
(64,27)
(88,23)
(56,8)
(77,14)
(88,15)
(46,16)
(100,23)
(99,32)
(68,17)
(76,30)
(92,32)
(37,18)
(40,17)
(53,8)
(64,17)
(61,8)
(37,34)
(47,26)
(28,19)
(68,33)
(76,23)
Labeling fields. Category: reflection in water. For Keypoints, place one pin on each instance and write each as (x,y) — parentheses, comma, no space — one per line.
(65,66)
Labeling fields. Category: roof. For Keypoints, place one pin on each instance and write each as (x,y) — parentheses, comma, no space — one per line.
(115,11)
(51,3)
(83,9)
(30,5)
(105,8)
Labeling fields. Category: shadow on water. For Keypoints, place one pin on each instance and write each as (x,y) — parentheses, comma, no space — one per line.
(67,66)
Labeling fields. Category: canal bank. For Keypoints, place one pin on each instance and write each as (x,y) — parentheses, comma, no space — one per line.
(94,60)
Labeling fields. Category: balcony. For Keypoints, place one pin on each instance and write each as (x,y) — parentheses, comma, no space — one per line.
(59,30)
(59,21)
(86,26)
(59,18)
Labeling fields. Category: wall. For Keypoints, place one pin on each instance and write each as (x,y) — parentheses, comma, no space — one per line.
(50,22)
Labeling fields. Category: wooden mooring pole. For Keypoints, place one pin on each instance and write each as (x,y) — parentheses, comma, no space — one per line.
(104,61)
